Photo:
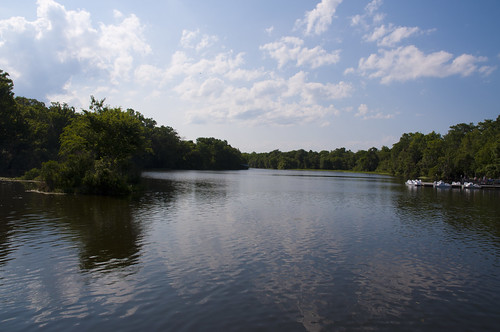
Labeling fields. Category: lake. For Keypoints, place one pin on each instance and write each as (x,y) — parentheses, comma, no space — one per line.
(252,250)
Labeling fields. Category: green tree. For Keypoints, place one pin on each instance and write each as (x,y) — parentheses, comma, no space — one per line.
(12,127)
(431,164)
(217,154)
(384,156)
(367,160)
(166,148)
(44,125)
(97,150)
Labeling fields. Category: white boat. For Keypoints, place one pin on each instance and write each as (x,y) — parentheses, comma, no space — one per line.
(441,184)
(416,183)
(470,185)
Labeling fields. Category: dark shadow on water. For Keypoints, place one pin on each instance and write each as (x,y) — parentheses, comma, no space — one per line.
(102,229)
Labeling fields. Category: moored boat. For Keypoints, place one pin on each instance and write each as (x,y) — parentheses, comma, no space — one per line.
(441,184)
(471,185)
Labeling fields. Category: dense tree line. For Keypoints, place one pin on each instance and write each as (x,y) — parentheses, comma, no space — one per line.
(466,151)
(100,150)
(338,159)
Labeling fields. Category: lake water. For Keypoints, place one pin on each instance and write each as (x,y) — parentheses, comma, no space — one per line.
(252,250)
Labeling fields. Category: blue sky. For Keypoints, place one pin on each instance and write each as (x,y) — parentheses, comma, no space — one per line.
(264,75)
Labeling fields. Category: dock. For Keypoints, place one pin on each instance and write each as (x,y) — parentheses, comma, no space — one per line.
(483,186)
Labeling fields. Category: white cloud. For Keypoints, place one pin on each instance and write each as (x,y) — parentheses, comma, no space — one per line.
(319,19)
(193,39)
(188,38)
(220,89)
(314,92)
(365,114)
(362,110)
(146,74)
(356,20)
(408,63)
(270,30)
(240,74)
(391,35)
(274,100)
(384,35)
(291,49)
(349,70)
(398,34)
(487,70)
(225,64)
(68,44)
(373,6)
(370,12)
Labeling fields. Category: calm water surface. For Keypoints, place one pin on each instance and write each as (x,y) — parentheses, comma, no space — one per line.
(252,250)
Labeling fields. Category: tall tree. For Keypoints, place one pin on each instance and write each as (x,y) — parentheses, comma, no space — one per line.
(12,127)
(96,152)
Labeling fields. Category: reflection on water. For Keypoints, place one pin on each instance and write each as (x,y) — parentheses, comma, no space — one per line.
(465,212)
(101,228)
(256,250)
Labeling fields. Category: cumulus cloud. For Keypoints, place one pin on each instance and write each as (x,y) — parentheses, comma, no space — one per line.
(408,63)
(319,19)
(225,64)
(61,43)
(373,6)
(403,63)
(272,100)
(362,110)
(292,49)
(390,35)
(385,35)
(221,88)
(270,30)
(193,39)
(370,13)
(365,114)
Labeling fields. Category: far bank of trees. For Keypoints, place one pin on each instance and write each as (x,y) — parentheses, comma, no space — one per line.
(101,150)
(467,150)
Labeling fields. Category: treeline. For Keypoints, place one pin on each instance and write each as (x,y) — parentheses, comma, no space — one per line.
(467,150)
(101,150)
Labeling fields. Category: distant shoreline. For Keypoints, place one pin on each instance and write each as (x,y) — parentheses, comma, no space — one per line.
(4,179)
(330,170)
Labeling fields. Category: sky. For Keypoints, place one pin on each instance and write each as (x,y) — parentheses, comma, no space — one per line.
(264,75)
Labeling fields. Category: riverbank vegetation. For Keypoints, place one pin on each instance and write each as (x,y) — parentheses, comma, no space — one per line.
(466,151)
(102,150)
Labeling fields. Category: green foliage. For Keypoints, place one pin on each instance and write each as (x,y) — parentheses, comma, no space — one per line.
(466,150)
(366,160)
(12,127)
(105,178)
(166,148)
(216,154)
(97,149)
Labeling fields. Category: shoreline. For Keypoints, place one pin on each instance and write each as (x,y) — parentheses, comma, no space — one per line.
(4,179)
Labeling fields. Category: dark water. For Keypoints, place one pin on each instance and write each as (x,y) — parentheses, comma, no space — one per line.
(252,250)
